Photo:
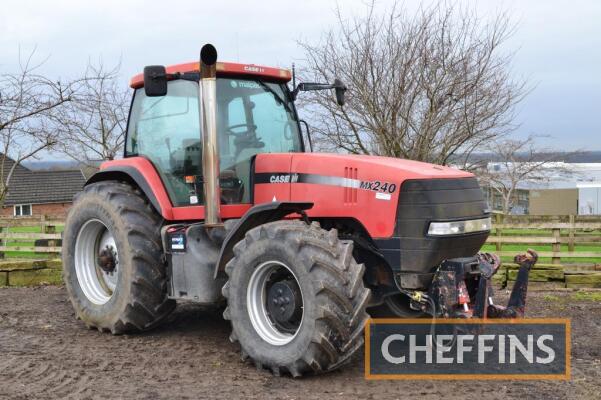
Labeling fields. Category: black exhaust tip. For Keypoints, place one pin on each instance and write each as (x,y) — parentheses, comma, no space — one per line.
(208,54)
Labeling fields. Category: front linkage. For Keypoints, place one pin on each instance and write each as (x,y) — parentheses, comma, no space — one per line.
(462,288)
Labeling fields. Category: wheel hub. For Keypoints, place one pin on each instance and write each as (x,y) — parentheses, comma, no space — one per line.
(107,259)
(284,304)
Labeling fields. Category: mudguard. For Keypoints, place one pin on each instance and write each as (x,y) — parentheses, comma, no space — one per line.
(127,173)
(255,216)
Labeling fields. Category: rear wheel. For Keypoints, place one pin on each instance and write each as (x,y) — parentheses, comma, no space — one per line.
(112,256)
(296,298)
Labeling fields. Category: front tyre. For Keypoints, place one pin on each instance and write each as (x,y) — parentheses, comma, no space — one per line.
(112,256)
(296,298)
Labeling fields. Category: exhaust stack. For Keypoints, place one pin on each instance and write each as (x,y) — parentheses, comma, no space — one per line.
(210,144)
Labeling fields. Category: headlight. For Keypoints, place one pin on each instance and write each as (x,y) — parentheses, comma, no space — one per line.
(459,227)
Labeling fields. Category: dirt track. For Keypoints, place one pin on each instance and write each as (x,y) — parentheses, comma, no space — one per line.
(46,353)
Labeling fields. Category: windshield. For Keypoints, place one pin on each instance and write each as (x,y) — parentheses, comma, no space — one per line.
(252,117)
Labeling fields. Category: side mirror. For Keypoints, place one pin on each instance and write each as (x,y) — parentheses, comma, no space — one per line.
(340,90)
(338,86)
(155,81)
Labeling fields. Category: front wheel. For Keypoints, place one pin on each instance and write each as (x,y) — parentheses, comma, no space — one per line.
(296,298)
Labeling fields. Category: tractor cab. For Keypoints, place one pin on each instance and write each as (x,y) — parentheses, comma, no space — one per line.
(254,114)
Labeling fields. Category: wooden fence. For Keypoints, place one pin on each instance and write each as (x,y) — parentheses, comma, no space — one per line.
(549,230)
(575,232)
(569,230)
(12,230)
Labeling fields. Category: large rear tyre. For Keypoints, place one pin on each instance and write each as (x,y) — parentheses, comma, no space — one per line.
(296,298)
(112,259)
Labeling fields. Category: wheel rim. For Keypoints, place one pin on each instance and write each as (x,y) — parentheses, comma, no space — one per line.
(96,262)
(275,303)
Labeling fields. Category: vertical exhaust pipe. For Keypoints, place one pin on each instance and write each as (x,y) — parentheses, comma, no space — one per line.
(210,144)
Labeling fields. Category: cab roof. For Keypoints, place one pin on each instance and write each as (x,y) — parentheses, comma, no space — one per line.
(224,69)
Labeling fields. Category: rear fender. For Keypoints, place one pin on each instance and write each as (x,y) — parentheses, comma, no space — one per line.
(139,172)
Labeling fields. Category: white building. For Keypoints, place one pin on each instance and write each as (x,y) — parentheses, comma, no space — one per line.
(575,189)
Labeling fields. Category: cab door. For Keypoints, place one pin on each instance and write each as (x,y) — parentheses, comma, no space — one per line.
(253,120)
(165,130)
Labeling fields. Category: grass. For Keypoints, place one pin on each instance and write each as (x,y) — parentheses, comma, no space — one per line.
(581,295)
(587,296)
(551,298)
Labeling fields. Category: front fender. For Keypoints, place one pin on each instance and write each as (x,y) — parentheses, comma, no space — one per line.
(257,215)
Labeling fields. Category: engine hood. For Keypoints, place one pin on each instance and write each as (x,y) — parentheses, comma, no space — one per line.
(364,188)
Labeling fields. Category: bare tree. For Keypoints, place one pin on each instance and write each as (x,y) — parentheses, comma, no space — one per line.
(94,123)
(423,86)
(29,103)
(519,162)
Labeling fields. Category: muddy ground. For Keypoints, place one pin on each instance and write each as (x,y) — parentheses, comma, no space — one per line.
(46,353)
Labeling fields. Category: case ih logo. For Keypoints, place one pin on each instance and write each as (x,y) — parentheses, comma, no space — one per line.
(284,177)
(526,349)
(252,68)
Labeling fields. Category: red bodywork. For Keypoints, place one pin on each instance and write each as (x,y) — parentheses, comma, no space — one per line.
(376,212)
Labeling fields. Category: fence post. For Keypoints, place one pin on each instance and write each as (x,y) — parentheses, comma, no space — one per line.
(51,229)
(499,232)
(571,234)
(43,223)
(556,246)
(2,240)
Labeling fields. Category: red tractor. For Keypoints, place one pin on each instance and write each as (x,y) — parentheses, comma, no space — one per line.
(217,200)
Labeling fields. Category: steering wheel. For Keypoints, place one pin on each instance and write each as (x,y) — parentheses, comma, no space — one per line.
(230,130)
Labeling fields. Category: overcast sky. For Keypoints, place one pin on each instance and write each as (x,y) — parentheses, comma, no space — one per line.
(558,44)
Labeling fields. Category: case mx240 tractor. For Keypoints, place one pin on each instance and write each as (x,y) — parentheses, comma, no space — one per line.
(218,201)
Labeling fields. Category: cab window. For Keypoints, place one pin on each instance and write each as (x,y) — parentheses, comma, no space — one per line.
(166,131)
(252,117)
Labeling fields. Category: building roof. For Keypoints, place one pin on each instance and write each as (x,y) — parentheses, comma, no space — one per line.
(6,163)
(41,187)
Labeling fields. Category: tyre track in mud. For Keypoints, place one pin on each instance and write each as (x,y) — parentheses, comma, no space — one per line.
(46,353)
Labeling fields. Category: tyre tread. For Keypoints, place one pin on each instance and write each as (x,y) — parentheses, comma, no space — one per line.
(340,293)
